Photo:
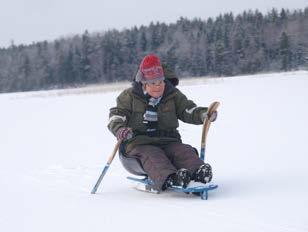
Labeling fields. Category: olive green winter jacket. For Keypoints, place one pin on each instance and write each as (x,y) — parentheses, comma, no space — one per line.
(174,105)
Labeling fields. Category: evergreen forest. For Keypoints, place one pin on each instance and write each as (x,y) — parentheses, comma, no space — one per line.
(228,45)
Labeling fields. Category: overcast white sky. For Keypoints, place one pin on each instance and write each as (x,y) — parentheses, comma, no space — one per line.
(25,21)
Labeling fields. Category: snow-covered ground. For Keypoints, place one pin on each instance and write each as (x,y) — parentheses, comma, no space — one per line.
(53,148)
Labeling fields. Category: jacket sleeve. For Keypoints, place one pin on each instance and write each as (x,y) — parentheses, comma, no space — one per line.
(187,110)
(120,115)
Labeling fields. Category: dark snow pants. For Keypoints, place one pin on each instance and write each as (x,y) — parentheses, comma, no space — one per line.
(161,161)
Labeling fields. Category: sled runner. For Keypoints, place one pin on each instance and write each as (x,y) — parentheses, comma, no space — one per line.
(199,190)
(133,166)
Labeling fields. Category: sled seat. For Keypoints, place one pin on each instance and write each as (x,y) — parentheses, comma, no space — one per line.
(132,165)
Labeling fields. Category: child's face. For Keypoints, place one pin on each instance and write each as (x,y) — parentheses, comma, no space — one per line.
(155,89)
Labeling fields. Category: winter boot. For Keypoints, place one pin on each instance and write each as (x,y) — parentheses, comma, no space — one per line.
(181,178)
(203,174)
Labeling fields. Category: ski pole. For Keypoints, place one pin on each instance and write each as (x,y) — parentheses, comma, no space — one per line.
(116,147)
(206,126)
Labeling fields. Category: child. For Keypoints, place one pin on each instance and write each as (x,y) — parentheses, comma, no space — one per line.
(146,120)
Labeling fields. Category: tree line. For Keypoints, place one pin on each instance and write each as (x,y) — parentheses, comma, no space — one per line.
(227,45)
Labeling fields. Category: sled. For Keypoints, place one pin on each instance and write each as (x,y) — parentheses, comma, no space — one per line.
(133,166)
(202,190)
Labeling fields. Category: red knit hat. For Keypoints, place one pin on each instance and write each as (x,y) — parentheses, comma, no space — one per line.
(151,69)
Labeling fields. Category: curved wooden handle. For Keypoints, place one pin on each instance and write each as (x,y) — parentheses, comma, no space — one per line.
(206,126)
(115,149)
